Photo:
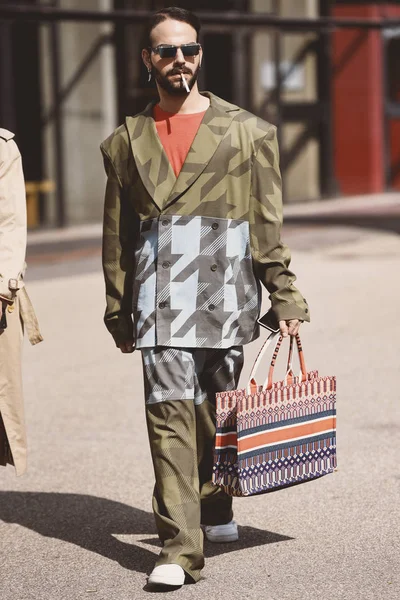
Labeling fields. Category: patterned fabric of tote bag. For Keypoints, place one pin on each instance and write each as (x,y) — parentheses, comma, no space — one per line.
(276,435)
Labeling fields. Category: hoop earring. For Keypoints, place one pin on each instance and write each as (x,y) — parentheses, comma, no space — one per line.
(149,79)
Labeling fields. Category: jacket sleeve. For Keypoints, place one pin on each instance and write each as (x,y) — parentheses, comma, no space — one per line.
(271,257)
(12,216)
(120,231)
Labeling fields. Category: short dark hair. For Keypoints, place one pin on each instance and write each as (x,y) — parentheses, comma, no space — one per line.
(175,14)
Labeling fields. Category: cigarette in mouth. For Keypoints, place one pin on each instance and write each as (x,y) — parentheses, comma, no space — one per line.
(185,84)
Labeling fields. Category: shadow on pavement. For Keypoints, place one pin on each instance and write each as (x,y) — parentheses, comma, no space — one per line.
(91,523)
(249,537)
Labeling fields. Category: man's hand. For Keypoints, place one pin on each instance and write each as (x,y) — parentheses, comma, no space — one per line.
(127,347)
(289,327)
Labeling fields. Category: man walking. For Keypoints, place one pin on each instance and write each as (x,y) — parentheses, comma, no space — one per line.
(15,306)
(193,214)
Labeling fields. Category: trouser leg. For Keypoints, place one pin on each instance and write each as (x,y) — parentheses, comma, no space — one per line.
(215,504)
(180,388)
(220,371)
(176,499)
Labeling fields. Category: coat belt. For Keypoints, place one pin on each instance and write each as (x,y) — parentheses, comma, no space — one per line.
(28,317)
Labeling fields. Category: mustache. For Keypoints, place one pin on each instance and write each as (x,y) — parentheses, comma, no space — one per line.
(179,71)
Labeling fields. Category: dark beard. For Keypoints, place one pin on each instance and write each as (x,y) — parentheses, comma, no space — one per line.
(169,87)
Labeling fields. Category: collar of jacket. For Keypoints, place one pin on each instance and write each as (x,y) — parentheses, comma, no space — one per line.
(152,162)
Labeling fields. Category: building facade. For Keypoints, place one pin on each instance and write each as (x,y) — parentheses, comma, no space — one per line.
(335,97)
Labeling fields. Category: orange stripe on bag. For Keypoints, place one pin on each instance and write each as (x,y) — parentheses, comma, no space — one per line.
(229,439)
(277,436)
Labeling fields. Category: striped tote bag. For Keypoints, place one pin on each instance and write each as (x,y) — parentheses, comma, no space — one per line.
(276,435)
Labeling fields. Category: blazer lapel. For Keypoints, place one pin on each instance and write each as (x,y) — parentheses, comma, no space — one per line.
(152,162)
(213,128)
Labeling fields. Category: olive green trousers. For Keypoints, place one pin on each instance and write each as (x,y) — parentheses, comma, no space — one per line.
(181,435)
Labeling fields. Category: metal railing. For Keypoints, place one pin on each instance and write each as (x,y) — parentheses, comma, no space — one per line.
(232,18)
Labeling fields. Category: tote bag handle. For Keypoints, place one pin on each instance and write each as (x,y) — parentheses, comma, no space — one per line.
(289,368)
(252,385)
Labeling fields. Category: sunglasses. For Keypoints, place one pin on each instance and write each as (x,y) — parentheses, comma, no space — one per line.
(170,51)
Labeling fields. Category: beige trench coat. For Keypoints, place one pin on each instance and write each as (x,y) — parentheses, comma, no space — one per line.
(15,303)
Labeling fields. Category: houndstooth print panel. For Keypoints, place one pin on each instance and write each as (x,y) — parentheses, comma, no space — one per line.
(194,283)
(189,374)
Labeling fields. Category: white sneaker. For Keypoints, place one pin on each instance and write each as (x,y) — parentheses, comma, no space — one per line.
(167,575)
(222,533)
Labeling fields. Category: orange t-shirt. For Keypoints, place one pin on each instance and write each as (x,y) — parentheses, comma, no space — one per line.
(177,132)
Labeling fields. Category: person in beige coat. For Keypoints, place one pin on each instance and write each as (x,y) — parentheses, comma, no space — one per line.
(16,311)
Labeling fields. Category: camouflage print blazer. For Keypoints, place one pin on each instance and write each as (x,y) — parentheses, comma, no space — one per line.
(186,255)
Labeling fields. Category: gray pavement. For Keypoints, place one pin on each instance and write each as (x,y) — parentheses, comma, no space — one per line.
(79,524)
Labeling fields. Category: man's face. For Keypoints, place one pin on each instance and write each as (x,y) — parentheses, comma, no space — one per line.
(167,71)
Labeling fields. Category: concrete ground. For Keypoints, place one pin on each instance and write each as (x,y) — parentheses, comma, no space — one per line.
(78,525)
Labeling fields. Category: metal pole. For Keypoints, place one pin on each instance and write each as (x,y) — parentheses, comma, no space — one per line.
(328,183)
(108,75)
(326,75)
(121,68)
(385,115)
(7,103)
(240,69)
(58,124)
(278,90)
(278,74)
